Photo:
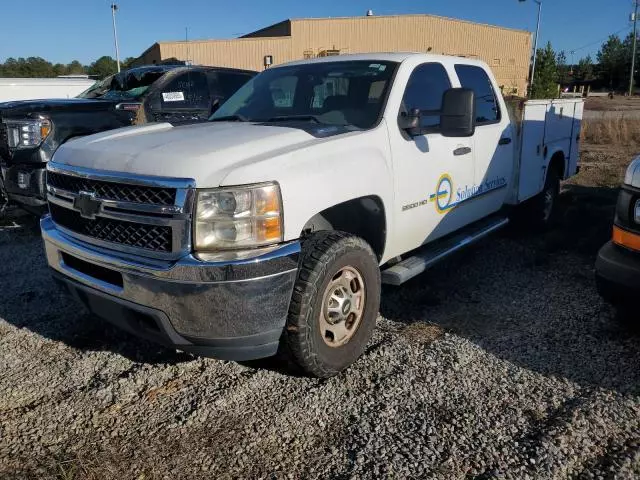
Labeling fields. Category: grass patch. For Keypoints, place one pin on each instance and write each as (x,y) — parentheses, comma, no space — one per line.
(608,131)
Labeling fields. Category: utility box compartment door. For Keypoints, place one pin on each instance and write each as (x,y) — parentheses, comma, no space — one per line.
(574,156)
(532,150)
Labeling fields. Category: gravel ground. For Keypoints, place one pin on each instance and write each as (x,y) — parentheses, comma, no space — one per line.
(499,363)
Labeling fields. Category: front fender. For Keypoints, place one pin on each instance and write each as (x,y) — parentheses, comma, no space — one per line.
(325,173)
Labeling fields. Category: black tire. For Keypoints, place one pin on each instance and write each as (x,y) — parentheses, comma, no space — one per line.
(324,256)
(627,317)
(535,214)
(544,215)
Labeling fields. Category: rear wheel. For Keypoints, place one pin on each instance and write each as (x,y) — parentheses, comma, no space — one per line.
(540,213)
(334,305)
(545,205)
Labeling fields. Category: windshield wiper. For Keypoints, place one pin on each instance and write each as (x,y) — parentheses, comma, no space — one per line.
(288,118)
(230,118)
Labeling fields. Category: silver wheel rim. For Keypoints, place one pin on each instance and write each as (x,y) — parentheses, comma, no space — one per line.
(342,307)
(548,204)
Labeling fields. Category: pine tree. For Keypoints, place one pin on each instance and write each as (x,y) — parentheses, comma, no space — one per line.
(545,83)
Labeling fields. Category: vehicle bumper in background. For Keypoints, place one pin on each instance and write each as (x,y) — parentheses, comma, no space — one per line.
(24,184)
(618,275)
(229,310)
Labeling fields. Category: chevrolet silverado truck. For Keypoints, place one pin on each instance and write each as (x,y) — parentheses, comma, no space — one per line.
(618,262)
(32,130)
(271,227)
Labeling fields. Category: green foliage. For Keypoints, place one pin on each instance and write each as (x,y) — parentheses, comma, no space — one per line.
(37,67)
(545,83)
(613,57)
(103,67)
(584,70)
(564,70)
(127,63)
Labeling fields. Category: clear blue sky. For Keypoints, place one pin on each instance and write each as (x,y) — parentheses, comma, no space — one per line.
(64,30)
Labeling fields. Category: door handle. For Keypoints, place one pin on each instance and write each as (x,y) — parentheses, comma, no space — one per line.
(462,151)
(504,141)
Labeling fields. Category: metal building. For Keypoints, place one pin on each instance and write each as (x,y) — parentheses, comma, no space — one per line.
(506,50)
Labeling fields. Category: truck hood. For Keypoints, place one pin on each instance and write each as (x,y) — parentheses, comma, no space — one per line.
(25,107)
(204,152)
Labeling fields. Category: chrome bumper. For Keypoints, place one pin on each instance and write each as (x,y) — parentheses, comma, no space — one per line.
(234,310)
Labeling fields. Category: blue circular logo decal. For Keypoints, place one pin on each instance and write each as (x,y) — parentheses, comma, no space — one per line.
(444,193)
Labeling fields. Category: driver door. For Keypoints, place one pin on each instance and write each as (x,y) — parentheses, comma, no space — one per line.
(432,172)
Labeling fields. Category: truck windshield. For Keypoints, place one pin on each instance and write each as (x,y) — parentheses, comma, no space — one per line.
(346,93)
(129,85)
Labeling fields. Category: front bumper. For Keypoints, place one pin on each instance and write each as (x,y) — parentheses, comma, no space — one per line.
(618,275)
(230,310)
(24,184)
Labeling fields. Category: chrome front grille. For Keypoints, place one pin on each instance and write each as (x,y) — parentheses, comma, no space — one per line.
(156,238)
(131,213)
(113,191)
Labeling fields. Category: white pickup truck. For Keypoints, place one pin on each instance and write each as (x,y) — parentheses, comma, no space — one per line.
(271,227)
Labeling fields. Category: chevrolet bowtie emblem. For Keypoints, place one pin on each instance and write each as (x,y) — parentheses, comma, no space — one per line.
(87,204)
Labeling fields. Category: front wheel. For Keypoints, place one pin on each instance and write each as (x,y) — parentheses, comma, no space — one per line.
(334,304)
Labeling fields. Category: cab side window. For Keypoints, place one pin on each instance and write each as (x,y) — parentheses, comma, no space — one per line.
(188,90)
(487,106)
(224,84)
(424,91)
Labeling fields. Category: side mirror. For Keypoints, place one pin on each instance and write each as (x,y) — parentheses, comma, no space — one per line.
(410,122)
(154,102)
(458,117)
(215,105)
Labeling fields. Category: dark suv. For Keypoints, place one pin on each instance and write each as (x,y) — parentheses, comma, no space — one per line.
(618,263)
(32,130)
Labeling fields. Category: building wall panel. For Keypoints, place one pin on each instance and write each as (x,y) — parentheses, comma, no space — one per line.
(506,51)
(239,53)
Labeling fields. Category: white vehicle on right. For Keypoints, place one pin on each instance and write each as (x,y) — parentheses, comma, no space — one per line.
(271,227)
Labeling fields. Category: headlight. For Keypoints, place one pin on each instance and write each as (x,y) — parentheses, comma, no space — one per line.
(242,217)
(27,133)
(631,171)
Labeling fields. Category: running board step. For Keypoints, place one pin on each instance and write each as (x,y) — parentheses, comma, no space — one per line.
(421,261)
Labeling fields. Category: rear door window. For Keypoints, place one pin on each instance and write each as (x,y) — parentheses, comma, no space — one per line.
(487,106)
(425,89)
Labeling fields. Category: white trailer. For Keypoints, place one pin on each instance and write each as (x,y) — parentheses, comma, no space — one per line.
(12,89)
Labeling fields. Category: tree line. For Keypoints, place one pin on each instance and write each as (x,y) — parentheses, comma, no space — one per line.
(39,67)
(610,72)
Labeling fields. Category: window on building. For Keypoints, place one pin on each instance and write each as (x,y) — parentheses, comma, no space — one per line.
(475,78)
(424,91)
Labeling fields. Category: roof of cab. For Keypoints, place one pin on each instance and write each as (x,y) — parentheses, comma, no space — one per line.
(382,57)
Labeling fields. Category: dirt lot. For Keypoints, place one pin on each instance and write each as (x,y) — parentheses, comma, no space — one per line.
(617,103)
(500,363)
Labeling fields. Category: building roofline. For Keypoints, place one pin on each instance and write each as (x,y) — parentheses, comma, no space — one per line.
(451,19)
(246,37)
(143,53)
(209,40)
(263,29)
